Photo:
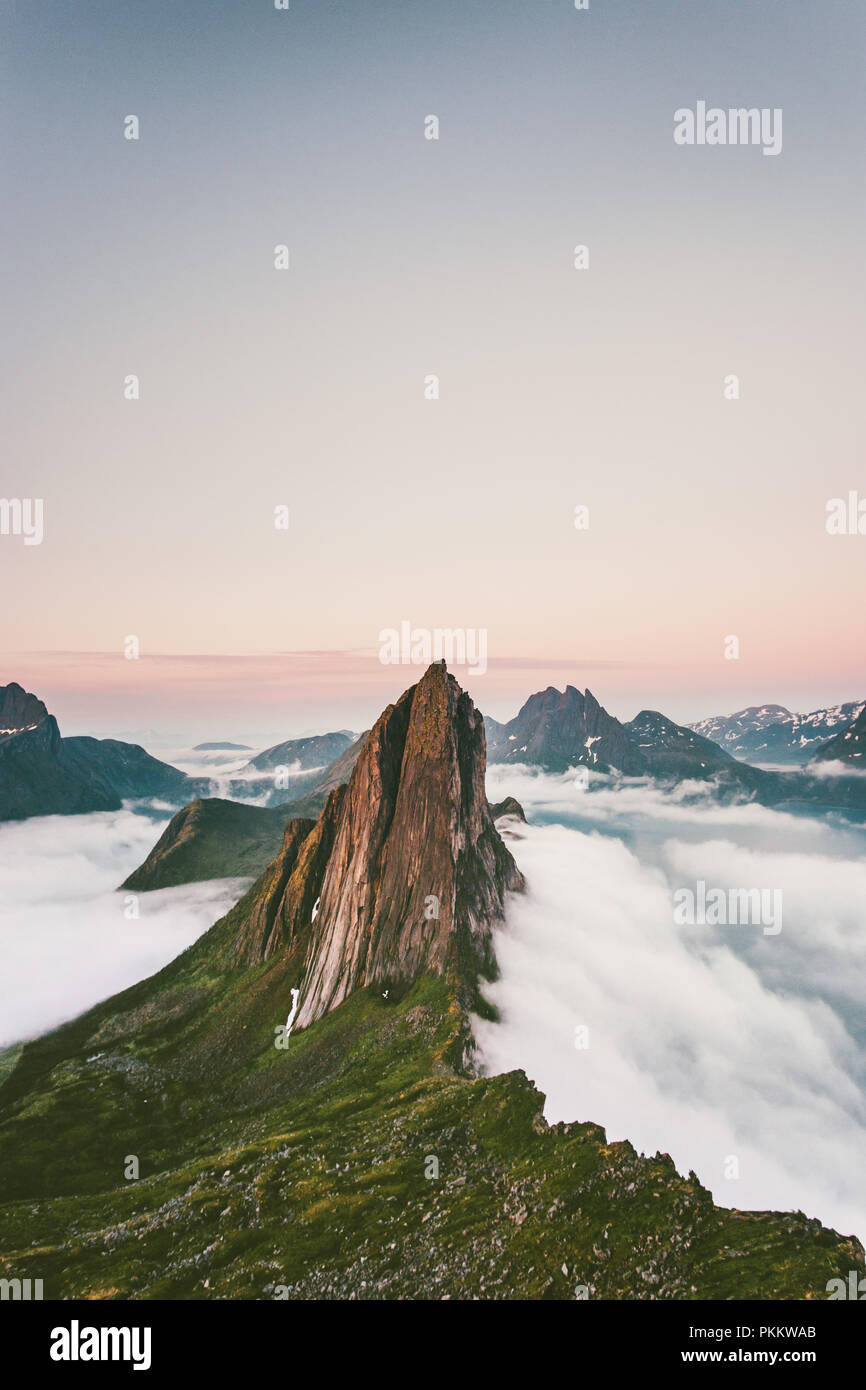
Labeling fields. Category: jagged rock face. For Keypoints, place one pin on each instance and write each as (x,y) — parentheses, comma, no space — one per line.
(559,729)
(417,875)
(403,873)
(282,905)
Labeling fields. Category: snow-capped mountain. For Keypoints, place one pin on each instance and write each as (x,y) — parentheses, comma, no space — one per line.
(847,747)
(772,734)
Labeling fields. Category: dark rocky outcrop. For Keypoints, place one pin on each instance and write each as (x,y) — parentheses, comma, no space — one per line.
(509,807)
(558,730)
(126,768)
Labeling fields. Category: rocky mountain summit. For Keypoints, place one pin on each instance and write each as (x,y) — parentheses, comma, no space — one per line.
(560,729)
(404,870)
(20,712)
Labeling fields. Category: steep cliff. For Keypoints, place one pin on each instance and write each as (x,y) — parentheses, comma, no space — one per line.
(405,871)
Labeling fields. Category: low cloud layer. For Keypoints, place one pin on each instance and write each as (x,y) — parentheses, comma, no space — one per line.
(229,774)
(705,1042)
(66,941)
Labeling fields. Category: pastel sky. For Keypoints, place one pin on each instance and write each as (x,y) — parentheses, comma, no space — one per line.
(410,257)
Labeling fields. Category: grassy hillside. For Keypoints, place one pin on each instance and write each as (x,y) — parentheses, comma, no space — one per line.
(212,838)
(303,1170)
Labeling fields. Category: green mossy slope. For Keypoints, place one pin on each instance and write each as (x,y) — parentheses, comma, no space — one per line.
(302,1172)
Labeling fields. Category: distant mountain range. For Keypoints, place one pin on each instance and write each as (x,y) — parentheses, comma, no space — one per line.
(562,730)
(222,747)
(298,770)
(303,753)
(772,734)
(301,1088)
(42,774)
(558,730)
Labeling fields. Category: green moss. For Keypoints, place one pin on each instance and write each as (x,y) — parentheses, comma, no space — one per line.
(306,1167)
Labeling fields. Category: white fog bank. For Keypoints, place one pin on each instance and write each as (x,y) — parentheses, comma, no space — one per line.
(705,1042)
(65,937)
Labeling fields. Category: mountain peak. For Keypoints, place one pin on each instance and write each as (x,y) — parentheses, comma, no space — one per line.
(403,873)
(559,730)
(19,710)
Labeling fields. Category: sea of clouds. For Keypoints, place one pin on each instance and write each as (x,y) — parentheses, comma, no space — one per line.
(705,1042)
(65,937)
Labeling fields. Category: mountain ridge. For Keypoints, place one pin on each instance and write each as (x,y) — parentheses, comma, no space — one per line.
(772,733)
(43,774)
